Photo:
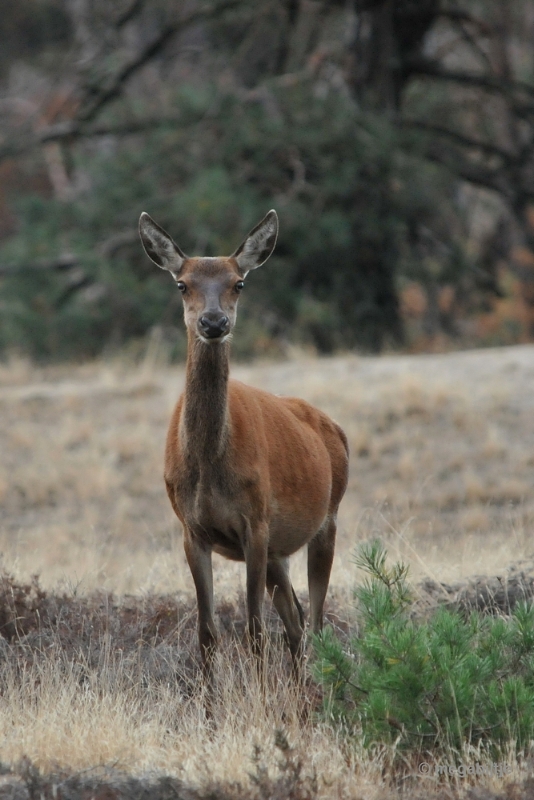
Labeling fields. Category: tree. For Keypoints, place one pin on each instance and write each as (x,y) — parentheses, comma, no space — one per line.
(357,119)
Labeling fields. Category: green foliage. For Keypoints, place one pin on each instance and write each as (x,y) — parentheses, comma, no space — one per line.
(314,109)
(350,201)
(428,685)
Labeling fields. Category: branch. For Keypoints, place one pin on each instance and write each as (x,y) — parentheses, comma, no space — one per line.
(431,69)
(81,129)
(473,42)
(459,16)
(75,130)
(129,13)
(71,129)
(98,96)
(66,261)
(61,263)
(473,173)
(460,138)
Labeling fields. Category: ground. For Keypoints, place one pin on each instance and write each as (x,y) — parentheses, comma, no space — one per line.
(101,663)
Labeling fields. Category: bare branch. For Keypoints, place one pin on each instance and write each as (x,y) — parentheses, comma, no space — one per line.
(71,130)
(61,263)
(70,261)
(492,83)
(478,174)
(475,45)
(96,97)
(459,16)
(460,138)
(129,13)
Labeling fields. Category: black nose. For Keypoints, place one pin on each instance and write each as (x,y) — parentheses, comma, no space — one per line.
(213,327)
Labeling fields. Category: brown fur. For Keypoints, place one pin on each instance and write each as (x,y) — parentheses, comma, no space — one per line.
(251,476)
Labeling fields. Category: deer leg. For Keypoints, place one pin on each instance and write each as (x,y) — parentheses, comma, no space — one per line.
(286,603)
(320,557)
(199,560)
(256,563)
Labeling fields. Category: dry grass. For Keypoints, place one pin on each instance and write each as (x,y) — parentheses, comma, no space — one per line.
(442,456)
(102,698)
(91,682)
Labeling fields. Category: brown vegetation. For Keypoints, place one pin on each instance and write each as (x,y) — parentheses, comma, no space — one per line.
(100,686)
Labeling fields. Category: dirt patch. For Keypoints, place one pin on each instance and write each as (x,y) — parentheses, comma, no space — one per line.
(26,783)
(499,594)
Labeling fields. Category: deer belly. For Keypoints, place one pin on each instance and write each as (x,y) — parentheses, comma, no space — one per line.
(295,519)
(287,534)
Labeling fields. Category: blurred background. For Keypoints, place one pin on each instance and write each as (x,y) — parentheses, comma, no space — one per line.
(395,138)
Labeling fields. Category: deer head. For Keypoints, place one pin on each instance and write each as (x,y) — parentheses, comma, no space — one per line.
(210,286)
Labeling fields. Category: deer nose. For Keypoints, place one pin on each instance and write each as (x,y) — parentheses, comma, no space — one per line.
(213,326)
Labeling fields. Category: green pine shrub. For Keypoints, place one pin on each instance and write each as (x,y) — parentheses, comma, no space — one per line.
(428,685)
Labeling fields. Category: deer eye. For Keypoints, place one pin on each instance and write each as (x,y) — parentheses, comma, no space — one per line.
(181,285)
(239,286)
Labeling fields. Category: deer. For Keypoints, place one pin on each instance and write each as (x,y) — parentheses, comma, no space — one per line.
(251,476)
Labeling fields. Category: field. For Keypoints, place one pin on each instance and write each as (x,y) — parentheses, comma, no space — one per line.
(101,670)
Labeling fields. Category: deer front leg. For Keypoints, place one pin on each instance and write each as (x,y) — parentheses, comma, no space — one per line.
(255,547)
(199,559)
(286,603)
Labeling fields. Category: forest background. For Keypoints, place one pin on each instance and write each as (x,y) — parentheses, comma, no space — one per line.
(395,138)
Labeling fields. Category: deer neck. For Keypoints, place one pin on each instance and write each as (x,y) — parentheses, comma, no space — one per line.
(206,417)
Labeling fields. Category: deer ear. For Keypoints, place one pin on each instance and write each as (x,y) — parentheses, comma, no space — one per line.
(258,245)
(159,246)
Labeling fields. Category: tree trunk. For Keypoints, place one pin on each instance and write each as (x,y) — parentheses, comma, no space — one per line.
(389,33)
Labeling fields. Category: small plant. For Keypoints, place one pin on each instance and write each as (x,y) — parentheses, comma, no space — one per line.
(428,685)
(291,782)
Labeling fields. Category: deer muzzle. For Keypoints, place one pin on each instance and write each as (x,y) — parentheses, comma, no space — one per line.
(213,325)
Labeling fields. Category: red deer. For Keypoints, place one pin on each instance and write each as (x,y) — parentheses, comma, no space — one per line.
(250,475)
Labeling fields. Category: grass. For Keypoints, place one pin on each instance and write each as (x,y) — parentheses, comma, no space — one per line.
(101,662)
(95,682)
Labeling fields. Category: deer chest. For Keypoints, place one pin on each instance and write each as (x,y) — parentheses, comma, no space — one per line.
(210,510)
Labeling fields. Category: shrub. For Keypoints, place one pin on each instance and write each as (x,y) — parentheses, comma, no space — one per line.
(433,684)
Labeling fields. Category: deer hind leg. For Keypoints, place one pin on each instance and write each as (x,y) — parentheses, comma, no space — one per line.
(199,560)
(286,603)
(320,557)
